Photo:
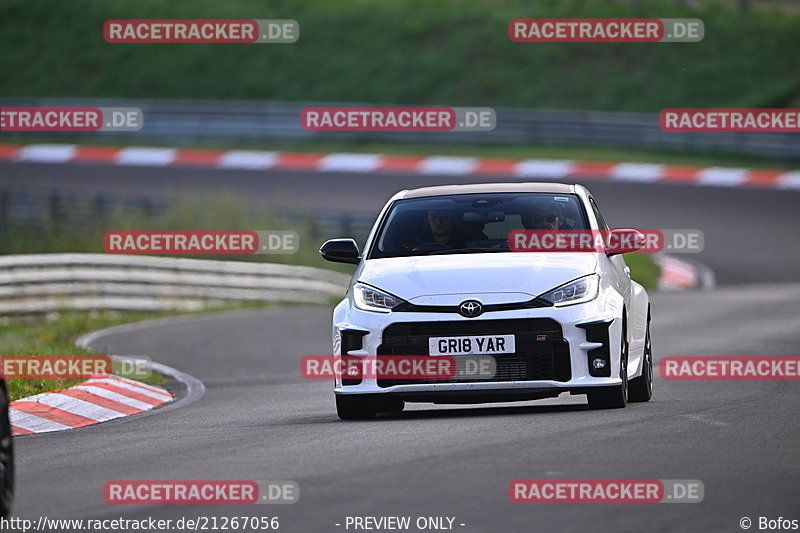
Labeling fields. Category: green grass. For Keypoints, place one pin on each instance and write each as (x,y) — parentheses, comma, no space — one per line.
(415,52)
(55,337)
(643,270)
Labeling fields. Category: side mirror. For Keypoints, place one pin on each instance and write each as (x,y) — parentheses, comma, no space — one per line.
(340,251)
(624,241)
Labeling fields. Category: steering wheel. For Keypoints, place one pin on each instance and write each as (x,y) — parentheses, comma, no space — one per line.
(430,247)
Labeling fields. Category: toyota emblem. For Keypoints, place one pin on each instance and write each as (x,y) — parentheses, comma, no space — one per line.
(470,308)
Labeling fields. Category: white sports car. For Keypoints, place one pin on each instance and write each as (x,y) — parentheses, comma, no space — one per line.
(437,278)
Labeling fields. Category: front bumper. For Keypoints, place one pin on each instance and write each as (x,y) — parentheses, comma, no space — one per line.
(573,336)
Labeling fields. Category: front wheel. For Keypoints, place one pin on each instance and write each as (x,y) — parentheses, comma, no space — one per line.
(641,388)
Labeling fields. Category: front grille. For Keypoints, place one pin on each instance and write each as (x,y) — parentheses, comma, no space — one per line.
(541,351)
(407,307)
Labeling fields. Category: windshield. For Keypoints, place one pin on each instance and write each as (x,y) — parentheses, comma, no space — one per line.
(471,223)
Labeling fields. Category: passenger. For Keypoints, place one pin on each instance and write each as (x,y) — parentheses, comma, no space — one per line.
(544,215)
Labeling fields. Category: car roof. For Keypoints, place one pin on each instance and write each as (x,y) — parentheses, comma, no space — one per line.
(482,188)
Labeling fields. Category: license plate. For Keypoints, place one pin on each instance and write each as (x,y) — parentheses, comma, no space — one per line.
(472,345)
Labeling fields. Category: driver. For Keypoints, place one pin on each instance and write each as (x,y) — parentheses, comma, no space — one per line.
(445,227)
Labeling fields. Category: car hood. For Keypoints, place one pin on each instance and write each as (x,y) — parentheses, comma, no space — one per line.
(517,276)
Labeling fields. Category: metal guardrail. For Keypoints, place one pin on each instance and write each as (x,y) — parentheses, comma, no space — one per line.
(180,121)
(43,283)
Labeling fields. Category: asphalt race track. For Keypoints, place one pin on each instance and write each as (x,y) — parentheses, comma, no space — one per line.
(260,420)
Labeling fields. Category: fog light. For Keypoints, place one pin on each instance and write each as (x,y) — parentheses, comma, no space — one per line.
(598,363)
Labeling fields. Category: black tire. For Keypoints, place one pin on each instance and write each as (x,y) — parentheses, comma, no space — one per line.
(641,388)
(355,408)
(613,397)
(6,456)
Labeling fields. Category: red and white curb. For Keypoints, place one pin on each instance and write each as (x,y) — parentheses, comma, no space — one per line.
(555,169)
(682,274)
(103,397)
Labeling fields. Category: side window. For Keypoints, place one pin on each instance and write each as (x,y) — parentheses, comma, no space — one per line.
(600,220)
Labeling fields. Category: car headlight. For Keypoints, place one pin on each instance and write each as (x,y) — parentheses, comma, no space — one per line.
(575,292)
(371,299)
